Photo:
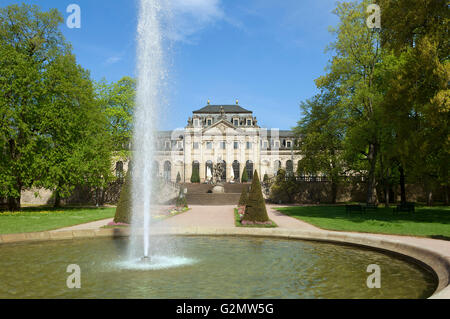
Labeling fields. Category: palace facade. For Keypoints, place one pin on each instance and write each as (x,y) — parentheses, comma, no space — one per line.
(228,134)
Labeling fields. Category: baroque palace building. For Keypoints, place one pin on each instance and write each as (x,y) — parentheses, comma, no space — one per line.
(227,134)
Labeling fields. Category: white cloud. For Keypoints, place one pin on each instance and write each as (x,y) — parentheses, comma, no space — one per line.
(113,60)
(189,17)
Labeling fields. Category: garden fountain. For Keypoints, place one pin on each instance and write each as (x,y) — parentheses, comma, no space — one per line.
(210,266)
(150,82)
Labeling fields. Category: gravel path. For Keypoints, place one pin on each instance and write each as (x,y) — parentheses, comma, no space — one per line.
(204,216)
(223,217)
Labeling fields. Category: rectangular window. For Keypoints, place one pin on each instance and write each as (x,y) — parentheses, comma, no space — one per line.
(209,145)
(265,144)
(236,122)
(276,144)
(209,122)
(288,144)
(249,145)
(249,122)
(236,145)
(196,122)
(195,145)
(223,145)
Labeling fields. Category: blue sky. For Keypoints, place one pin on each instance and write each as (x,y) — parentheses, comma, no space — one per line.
(266,53)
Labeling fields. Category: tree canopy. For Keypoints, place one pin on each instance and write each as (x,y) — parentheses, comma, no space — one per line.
(53,133)
(383,107)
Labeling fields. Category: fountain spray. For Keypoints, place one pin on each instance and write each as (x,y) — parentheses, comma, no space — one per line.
(150,80)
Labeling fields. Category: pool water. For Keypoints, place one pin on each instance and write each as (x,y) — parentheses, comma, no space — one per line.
(207,267)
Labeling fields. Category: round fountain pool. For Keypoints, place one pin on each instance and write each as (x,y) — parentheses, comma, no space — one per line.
(207,267)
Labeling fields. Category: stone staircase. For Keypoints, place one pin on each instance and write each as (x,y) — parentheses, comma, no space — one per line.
(197,194)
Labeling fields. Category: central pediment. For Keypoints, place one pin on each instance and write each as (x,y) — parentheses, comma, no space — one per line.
(222,127)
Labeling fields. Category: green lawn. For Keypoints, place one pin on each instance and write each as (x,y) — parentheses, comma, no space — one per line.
(431,222)
(42,219)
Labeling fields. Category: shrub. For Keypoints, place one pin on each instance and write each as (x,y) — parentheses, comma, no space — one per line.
(284,189)
(123,210)
(255,210)
(181,201)
(266,178)
(195,178)
(244,197)
(244,178)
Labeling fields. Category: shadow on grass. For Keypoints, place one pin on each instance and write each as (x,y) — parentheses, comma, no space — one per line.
(441,237)
(439,215)
(59,209)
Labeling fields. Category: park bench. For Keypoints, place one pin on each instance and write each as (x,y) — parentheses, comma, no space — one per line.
(353,208)
(370,207)
(408,207)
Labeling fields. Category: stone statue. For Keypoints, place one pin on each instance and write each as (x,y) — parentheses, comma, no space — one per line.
(222,113)
(218,170)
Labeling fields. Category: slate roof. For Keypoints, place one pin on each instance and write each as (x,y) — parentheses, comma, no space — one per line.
(215,109)
(281,133)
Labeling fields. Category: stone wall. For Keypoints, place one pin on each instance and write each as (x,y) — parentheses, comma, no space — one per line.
(36,197)
(307,193)
(320,192)
(81,196)
(88,196)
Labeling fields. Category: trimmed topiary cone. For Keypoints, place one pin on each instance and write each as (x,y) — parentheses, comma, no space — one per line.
(123,210)
(255,210)
(195,178)
(244,197)
(244,178)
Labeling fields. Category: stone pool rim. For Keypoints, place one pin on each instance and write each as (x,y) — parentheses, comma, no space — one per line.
(431,258)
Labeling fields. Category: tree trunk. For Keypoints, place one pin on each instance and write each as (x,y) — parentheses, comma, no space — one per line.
(430,198)
(446,195)
(57,203)
(97,195)
(102,196)
(371,183)
(13,203)
(334,188)
(402,186)
(386,193)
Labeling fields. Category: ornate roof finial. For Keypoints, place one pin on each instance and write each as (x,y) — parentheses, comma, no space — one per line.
(237,102)
(209,101)
(222,112)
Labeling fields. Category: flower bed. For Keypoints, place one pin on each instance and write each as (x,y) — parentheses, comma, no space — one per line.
(239,215)
(113,224)
(172,211)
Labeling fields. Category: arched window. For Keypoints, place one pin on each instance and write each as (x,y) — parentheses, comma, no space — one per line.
(195,178)
(276,167)
(167,171)
(249,167)
(224,174)
(289,168)
(209,170)
(155,169)
(119,171)
(236,170)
